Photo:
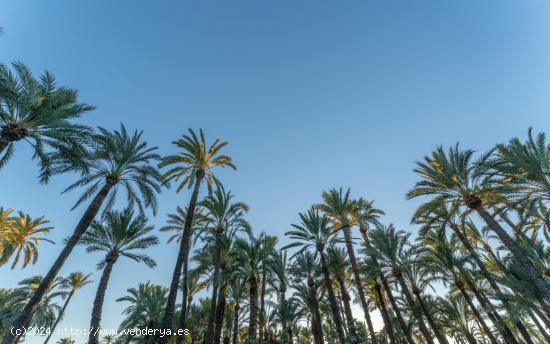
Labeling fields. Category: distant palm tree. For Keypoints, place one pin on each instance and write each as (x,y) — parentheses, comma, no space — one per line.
(341,208)
(74,282)
(20,236)
(38,111)
(145,309)
(315,231)
(116,160)
(305,266)
(221,214)
(119,235)
(65,341)
(248,257)
(189,168)
(48,310)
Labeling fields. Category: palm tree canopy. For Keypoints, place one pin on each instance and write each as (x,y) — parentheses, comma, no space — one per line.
(314,230)
(122,160)
(196,158)
(40,112)
(120,234)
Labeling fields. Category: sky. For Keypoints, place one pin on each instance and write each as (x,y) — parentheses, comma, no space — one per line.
(309,94)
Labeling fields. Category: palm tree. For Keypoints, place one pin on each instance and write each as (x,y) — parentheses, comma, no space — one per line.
(116,160)
(341,208)
(315,231)
(248,257)
(119,235)
(191,166)
(176,222)
(221,214)
(20,236)
(74,282)
(388,246)
(305,266)
(338,266)
(444,265)
(269,242)
(65,340)
(453,313)
(38,111)
(279,266)
(452,178)
(145,309)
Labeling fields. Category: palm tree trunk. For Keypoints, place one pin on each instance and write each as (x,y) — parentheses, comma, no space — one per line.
(363,231)
(235,323)
(4,142)
(212,313)
(185,303)
(95,322)
(284,315)
(515,228)
(220,312)
(541,328)
(317,329)
(262,306)
(182,254)
(357,277)
(437,331)
(414,308)
(347,307)
(23,319)
(482,268)
(252,323)
(404,328)
(534,274)
(474,310)
(60,315)
(332,298)
(384,312)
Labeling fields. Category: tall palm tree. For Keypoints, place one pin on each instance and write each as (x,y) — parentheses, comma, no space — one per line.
(188,168)
(269,242)
(338,265)
(248,257)
(315,231)
(66,340)
(305,266)
(38,111)
(340,207)
(20,236)
(120,234)
(453,313)
(453,178)
(279,266)
(388,246)
(74,282)
(176,222)
(221,214)
(445,265)
(117,160)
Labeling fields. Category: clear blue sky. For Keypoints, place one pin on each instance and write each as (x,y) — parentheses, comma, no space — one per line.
(310,95)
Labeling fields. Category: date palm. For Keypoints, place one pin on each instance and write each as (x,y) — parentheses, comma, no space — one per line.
(388,246)
(66,340)
(314,231)
(176,222)
(279,265)
(221,214)
(117,160)
(338,266)
(20,238)
(248,257)
(145,308)
(305,267)
(189,168)
(72,283)
(454,315)
(269,243)
(120,234)
(452,178)
(40,112)
(341,208)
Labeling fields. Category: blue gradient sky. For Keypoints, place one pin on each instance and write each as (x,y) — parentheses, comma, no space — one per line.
(310,95)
